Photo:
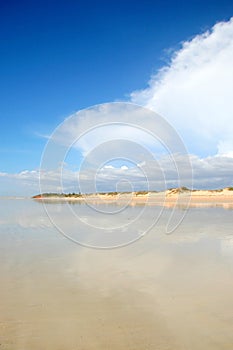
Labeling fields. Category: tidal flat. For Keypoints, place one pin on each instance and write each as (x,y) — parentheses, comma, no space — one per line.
(163,291)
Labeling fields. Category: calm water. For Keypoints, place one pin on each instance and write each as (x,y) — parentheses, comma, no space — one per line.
(161,292)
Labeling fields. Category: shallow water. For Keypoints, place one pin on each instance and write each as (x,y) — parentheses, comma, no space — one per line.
(160,292)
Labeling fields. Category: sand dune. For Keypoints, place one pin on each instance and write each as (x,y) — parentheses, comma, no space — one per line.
(168,198)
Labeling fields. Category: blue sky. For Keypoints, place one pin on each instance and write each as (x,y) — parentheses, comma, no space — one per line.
(58,57)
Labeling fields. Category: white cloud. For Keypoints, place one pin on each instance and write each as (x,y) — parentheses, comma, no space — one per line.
(107,167)
(209,172)
(23,184)
(100,124)
(194,92)
(109,132)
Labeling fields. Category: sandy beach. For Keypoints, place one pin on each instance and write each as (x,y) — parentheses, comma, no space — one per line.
(169,198)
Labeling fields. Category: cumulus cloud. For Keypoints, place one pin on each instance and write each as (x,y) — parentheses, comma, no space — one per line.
(209,172)
(115,131)
(87,129)
(194,91)
(23,183)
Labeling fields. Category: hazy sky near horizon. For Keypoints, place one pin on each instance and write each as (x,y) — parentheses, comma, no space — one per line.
(58,57)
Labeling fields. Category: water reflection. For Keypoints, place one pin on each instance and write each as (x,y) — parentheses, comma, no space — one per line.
(162,292)
(162,202)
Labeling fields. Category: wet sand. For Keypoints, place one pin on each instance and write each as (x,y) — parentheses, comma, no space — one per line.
(162,292)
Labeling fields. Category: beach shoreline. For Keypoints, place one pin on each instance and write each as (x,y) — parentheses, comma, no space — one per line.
(167,198)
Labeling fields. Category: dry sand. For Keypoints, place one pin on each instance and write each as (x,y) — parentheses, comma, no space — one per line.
(169,198)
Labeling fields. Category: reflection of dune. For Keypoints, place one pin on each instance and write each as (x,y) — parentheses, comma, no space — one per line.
(193,204)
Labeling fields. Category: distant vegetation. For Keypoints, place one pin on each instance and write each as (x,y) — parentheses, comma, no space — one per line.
(138,193)
(77,195)
(58,195)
